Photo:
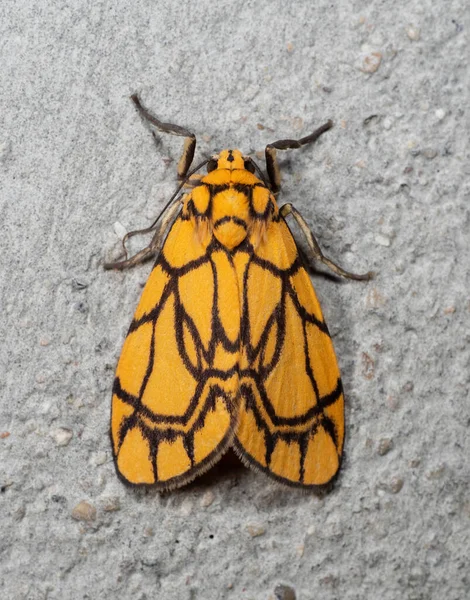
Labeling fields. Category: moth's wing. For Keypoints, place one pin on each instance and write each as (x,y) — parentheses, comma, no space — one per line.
(173,411)
(292,410)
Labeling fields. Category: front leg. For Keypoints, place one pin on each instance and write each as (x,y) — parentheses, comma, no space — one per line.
(288,209)
(272,165)
(189,143)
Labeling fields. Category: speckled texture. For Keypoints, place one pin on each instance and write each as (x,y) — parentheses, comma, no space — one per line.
(386,189)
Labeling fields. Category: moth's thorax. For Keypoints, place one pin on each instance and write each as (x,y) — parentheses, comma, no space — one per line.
(230,216)
(230,203)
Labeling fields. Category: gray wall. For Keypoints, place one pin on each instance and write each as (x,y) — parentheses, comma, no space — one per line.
(387,189)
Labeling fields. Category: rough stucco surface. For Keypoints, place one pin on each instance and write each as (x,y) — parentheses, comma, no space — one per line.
(387,189)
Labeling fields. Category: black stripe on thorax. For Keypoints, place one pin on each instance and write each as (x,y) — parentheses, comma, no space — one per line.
(244,188)
(227,219)
(216,188)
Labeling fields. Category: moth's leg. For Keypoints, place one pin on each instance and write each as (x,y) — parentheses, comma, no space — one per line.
(189,143)
(272,166)
(193,181)
(288,209)
(155,244)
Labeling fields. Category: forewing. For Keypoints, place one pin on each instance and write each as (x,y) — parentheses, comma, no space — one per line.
(291,424)
(176,386)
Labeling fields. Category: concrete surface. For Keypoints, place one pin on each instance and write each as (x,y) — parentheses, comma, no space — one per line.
(386,189)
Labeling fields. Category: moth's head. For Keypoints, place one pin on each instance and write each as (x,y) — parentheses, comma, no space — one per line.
(230,159)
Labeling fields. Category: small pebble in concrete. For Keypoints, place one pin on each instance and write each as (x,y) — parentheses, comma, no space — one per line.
(368,366)
(429,153)
(284,592)
(62,436)
(84,511)
(99,458)
(255,530)
(414,33)
(393,402)
(186,507)
(371,62)
(396,484)
(436,473)
(385,445)
(207,499)
(112,504)
(382,240)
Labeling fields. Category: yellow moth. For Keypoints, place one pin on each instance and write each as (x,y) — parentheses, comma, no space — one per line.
(228,346)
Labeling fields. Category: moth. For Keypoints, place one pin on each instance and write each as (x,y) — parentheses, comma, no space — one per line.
(228,347)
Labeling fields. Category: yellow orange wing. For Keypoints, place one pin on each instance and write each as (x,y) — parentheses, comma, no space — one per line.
(175,395)
(291,422)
